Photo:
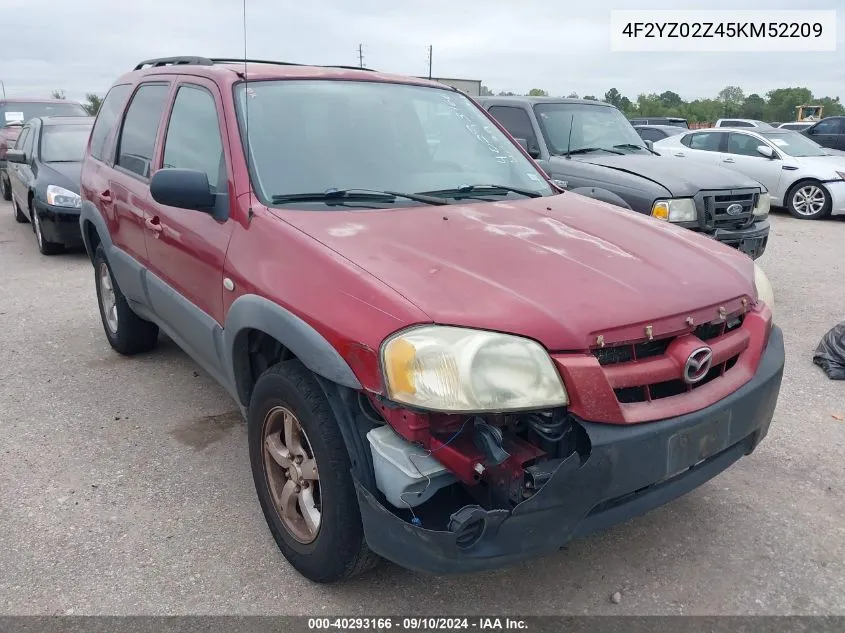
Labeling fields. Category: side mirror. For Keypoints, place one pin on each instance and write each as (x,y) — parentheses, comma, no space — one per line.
(532,149)
(522,142)
(765,150)
(182,188)
(650,145)
(16,156)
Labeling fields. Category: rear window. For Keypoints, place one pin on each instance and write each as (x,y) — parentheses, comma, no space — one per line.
(64,143)
(19,112)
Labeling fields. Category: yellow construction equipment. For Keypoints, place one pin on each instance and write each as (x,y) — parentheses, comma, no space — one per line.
(809,112)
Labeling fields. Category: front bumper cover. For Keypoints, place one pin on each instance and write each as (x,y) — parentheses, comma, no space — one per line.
(629,471)
(59,224)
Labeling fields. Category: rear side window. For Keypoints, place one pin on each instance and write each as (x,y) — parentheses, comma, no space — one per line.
(516,121)
(140,127)
(707,141)
(193,134)
(109,111)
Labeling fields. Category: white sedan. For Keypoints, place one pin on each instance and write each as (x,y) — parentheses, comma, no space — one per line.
(800,174)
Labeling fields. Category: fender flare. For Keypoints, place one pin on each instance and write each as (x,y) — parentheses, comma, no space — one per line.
(251,311)
(90,213)
(604,195)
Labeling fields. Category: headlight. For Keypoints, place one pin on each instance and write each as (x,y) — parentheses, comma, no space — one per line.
(676,210)
(764,203)
(765,293)
(461,370)
(61,197)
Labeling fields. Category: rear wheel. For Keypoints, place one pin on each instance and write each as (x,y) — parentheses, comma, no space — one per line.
(126,331)
(20,216)
(808,200)
(300,466)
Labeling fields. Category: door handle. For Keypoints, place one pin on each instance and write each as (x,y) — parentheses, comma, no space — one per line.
(729,160)
(105,196)
(680,154)
(154,224)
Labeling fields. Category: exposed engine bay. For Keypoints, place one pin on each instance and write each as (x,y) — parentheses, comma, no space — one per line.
(431,466)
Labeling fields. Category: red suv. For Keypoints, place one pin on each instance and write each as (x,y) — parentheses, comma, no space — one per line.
(442,359)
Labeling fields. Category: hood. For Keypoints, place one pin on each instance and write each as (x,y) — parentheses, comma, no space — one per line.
(834,162)
(556,269)
(681,177)
(65,175)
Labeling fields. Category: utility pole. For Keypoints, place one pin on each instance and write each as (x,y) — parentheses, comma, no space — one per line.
(4,89)
(361,55)
(430,57)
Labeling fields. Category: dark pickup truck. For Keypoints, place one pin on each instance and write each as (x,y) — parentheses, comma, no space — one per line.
(589,147)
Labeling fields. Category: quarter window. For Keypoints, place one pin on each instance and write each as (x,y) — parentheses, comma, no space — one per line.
(140,127)
(193,135)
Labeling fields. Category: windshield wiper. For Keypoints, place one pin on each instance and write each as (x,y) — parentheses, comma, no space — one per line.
(354,195)
(485,190)
(635,146)
(587,150)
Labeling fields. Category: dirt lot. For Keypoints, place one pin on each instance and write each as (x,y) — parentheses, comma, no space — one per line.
(126,487)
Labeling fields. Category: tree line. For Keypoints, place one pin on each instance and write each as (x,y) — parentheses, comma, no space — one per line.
(91,104)
(776,105)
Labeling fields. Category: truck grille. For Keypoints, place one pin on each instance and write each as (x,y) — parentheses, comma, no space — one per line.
(616,359)
(713,207)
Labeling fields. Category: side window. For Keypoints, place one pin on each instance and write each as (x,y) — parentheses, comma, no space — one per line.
(516,121)
(28,143)
(193,135)
(707,141)
(109,111)
(744,145)
(22,138)
(639,122)
(650,134)
(828,126)
(140,126)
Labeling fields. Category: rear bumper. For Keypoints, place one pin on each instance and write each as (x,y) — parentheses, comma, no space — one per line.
(630,470)
(59,224)
(751,241)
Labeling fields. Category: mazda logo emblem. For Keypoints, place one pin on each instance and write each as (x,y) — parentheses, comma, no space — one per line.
(697,365)
(734,209)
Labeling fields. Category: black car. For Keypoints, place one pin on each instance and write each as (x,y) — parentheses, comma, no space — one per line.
(590,148)
(43,171)
(829,132)
(656,133)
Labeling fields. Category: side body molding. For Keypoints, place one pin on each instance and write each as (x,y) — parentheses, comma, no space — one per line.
(308,345)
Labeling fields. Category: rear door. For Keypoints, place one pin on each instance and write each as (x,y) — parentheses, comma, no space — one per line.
(828,132)
(702,147)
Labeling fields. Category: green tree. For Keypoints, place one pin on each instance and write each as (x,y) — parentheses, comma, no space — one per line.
(537,92)
(783,101)
(671,99)
(572,95)
(92,103)
(58,94)
(832,106)
(590,98)
(732,98)
(754,107)
(613,97)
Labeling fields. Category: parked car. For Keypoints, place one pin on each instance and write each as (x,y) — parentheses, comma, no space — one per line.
(43,170)
(655,133)
(590,148)
(829,132)
(661,120)
(453,389)
(799,174)
(742,123)
(14,113)
(796,126)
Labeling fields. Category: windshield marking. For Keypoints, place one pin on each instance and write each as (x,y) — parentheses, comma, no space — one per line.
(346,230)
(564,230)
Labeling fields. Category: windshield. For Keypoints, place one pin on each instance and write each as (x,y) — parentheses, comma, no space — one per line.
(23,111)
(592,127)
(64,143)
(319,135)
(794,144)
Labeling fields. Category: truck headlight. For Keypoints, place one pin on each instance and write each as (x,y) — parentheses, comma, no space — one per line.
(675,210)
(61,197)
(765,293)
(455,369)
(764,203)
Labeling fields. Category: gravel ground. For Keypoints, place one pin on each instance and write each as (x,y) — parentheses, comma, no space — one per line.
(126,486)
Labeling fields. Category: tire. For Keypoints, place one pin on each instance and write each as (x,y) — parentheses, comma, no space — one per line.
(127,333)
(20,216)
(808,200)
(337,549)
(44,247)
(5,188)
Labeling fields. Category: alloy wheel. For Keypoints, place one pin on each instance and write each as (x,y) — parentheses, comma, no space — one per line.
(809,200)
(107,298)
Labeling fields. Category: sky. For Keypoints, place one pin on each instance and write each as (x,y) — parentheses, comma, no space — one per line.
(562,47)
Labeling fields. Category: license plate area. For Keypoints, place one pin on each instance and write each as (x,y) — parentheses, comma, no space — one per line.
(688,447)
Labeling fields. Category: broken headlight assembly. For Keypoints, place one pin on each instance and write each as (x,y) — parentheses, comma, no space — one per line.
(460,370)
(765,292)
(764,204)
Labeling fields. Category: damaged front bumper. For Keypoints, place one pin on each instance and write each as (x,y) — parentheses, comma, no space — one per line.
(629,471)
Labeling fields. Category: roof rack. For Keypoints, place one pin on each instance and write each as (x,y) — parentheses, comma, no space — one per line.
(210,61)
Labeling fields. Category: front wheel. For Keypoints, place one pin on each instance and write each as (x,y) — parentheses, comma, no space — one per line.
(809,201)
(300,466)
(45,247)
(5,187)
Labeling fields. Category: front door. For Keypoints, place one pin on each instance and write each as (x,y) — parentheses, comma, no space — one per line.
(827,132)
(741,154)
